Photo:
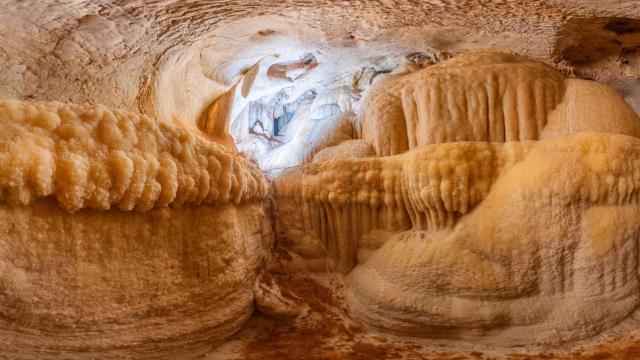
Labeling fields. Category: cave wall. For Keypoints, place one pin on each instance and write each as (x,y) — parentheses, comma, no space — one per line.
(453,163)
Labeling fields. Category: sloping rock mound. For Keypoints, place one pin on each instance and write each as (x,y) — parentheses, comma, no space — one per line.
(467,235)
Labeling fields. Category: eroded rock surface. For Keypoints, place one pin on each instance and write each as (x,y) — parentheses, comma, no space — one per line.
(114,224)
(493,217)
(319,180)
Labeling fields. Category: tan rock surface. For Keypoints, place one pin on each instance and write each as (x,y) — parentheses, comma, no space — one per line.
(498,239)
(319,180)
(117,230)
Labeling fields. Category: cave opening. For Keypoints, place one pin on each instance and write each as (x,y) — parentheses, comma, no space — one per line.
(283,113)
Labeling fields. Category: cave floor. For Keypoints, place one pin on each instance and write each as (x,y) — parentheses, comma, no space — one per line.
(326,332)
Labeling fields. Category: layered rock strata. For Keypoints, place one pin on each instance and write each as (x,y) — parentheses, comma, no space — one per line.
(118,230)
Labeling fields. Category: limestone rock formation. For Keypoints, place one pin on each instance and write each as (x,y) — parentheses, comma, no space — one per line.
(498,278)
(113,223)
(495,226)
(319,180)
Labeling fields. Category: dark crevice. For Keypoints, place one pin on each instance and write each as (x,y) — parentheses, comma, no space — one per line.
(622,26)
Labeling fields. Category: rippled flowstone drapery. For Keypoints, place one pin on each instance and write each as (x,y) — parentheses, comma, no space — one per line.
(508,211)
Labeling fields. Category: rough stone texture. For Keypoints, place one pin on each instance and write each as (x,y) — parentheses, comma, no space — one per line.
(174,260)
(172,59)
(427,201)
(92,157)
(509,215)
(96,281)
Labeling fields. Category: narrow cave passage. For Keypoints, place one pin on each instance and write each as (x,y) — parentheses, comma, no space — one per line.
(283,113)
